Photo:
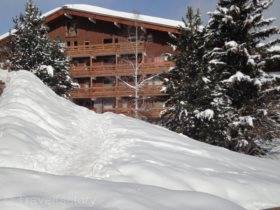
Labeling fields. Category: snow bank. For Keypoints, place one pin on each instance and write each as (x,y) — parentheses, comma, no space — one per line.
(3,75)
(42,132)
(61,193)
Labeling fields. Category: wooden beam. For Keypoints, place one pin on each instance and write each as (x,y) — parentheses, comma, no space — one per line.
(117,25)
(171,35)
(143,29)
(68,15)
(123,21)
(92,20)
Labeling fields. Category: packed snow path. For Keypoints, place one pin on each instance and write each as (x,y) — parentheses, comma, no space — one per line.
(42,132)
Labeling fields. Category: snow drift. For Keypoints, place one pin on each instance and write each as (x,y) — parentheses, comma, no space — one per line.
(131,164)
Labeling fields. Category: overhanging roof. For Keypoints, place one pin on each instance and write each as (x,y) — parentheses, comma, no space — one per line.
(79,9)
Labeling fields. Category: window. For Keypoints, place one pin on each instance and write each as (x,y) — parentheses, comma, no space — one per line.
(68,43)
(107,41)
(72,29)
(150,38)
(109,80)
(132,38)
(109,103)
(75,43)
(87,43)
(142,38)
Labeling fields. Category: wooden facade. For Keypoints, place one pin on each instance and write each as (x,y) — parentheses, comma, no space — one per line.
(103,49)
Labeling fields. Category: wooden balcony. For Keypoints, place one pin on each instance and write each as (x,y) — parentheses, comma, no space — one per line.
(104,49)
(120,69)
(115,91)
(150,113)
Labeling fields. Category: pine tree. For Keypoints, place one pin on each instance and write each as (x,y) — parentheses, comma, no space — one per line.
(60,82)
(187,84)
(31,49)
(29,46)
(236,59)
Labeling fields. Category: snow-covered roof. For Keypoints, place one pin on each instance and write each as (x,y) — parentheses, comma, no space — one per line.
(126,15)
(113,13)
(5,35)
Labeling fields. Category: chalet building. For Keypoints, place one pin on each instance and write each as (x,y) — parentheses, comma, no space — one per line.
(110,53)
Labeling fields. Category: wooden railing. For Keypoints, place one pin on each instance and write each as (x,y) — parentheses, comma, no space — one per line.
(115,91)
(150,113)
(120,69)
(104,49)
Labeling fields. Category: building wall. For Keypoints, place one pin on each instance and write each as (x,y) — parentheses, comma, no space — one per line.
(95,33)
(154,46)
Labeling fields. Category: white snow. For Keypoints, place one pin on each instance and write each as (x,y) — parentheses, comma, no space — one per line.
(48,69)
(216,62)
(5,35)
(131,164)
(251,61)
(275,57)
(231,44)
(163,89)
(275,48)
(3,75)
(126,15)
(206,80)
(206,114)
(238,76)
(246,120)
(275,74)
(27,190)
(234,8)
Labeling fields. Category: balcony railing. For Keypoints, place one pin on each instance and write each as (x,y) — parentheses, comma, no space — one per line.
(120,69)
(151,113)
(115,91)
(104,49)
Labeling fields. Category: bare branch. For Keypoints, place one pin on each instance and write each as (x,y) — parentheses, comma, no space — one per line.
(127,84)
(129,62)
(146,80)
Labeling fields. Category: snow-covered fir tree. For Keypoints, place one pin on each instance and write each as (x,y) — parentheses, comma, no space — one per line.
(30,46)
(61,81)
(237,55)
(31,49)
(187,83)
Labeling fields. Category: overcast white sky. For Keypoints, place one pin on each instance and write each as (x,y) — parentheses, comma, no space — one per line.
(173,9)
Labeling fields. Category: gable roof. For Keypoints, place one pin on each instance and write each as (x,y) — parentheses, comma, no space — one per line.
(112,13)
